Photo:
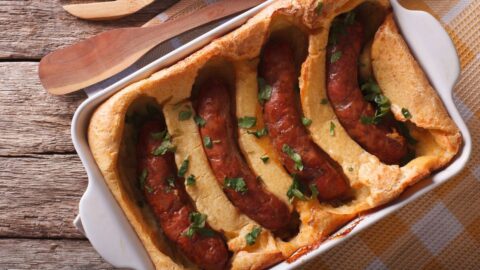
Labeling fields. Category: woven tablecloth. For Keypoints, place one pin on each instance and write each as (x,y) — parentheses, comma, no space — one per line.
(441,230)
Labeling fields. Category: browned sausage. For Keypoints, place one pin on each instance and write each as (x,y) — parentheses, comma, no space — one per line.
(213,105)
(283,119)
(349,104)
(171,205)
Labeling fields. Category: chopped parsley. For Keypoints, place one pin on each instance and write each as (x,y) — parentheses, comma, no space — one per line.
(184,167)
(403,130)
(207,141)
(372,92)
(265,159)
(247,122)
(406,113)
(159,135)
(184,115)
(339,27)
(350,169)
(319,7)
(142,178)
(335,56)
(258,133)
(252,236)
(199,121)
(295,191)
(190,181)
(148,189)
(314,190)
(166,146)
(237,184)
(197,225)
(324,101)
(264,91)
(332,129)
(306,122)
(294,156)
(170,184)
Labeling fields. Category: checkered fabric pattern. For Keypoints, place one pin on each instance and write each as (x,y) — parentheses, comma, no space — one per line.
(442,229)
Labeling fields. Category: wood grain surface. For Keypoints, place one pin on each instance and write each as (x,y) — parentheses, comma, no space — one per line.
(32,28)
(41,177)
(49,254)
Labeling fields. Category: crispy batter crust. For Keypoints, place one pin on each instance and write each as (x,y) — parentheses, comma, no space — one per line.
(373,182)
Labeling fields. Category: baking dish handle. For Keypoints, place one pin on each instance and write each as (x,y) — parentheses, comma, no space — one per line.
(436,53)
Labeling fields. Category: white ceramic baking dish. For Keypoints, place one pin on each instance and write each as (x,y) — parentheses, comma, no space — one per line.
(103,222)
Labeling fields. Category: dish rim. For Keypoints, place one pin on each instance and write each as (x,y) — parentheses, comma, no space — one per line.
(92,216)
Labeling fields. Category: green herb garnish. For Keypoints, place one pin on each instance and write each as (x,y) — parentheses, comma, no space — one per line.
(350,169)
(295,190)
(190,181)
(252,236)
(148,189)
(170,184)
(258,133)
(184,115)
(403,130)
(265,159)
(294,156)
(159,135)
(335,56)
(197,225)
(319,7)
(247,122)
(306,122)
(372,92)
(166,146)
(207,141)
(199,121)
(237,184)
(143,177)
(324,101)
(183,168)
(314,190)
(406,113)
(264,91)
(332,129)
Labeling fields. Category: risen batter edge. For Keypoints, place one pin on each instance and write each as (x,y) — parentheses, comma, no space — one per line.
(397,73)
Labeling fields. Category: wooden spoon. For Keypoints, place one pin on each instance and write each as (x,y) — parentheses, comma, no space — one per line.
(106,10)
(104,55)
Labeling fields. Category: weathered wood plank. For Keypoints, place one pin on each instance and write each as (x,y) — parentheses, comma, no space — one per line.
(30,29)
(31,120)
(40,196)
(49,254)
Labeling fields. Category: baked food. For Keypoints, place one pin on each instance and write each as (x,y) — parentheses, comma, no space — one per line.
(305,26)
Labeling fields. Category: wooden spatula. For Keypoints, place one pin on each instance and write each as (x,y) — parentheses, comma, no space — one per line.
(106,10)
(104,55)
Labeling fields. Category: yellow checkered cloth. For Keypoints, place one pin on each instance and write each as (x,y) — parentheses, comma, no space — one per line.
(441,230)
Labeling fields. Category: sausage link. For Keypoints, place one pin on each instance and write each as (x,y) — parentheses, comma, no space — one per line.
(349,104)
(226,160)
(171,205)
(283,120)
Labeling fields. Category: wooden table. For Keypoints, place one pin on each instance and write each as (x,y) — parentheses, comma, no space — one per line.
(41,177)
